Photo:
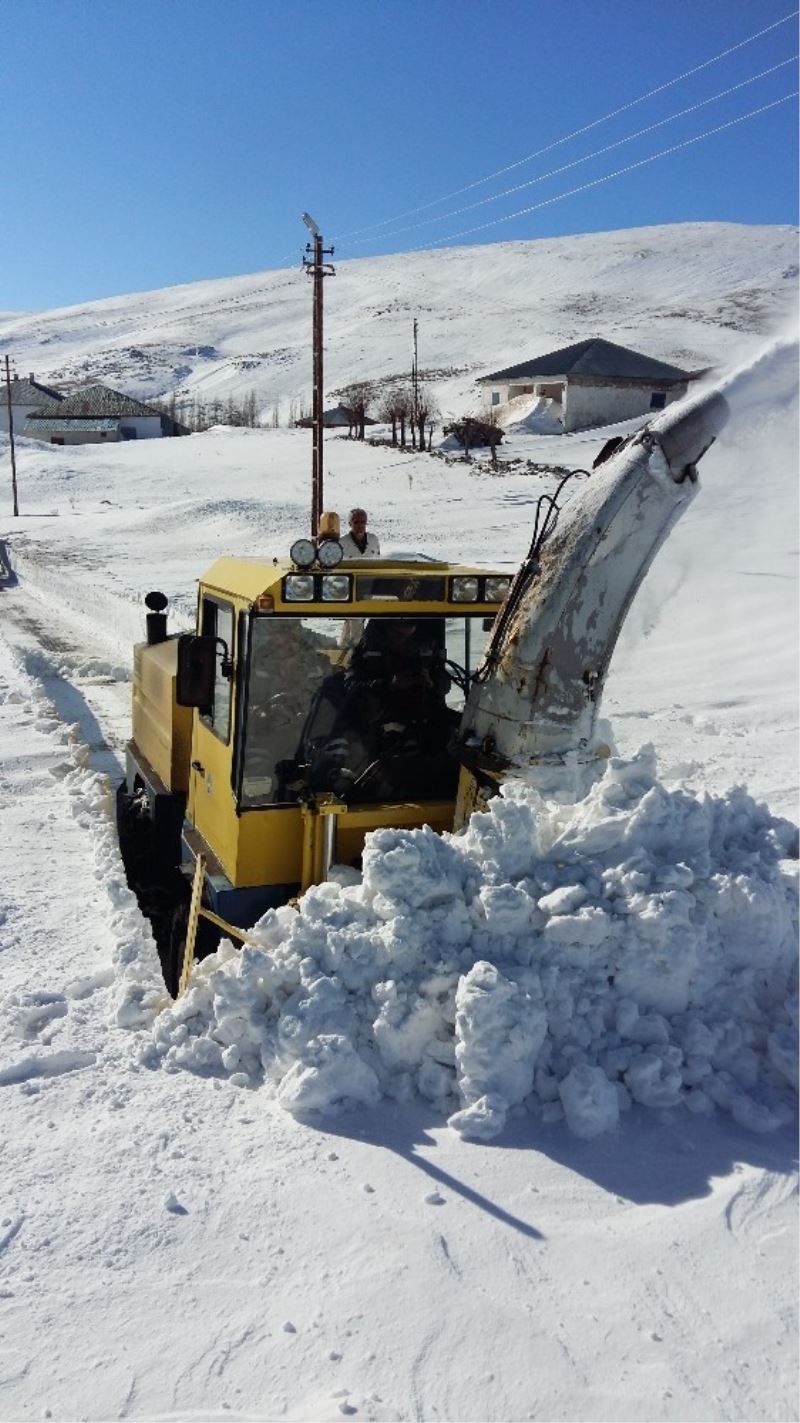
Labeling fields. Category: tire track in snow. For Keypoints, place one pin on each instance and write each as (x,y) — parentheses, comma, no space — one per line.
(419,1368)
(53,1066)
(83,691)
(11,1227)
(754,1201)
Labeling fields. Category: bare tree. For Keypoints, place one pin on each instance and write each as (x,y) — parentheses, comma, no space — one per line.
(404,405)
(425,414)
(387,412)
(355,400)
(396,410)
(473,430)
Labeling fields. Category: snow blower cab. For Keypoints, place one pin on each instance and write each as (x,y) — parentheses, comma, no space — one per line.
(317,700)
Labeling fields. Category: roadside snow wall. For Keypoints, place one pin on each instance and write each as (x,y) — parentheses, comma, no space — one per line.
(565,960)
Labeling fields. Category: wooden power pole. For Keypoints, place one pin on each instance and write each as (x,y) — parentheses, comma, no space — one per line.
(316,266)
(415,392)
(11,439)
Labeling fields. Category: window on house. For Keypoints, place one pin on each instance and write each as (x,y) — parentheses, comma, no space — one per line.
(495,397)
(658,399)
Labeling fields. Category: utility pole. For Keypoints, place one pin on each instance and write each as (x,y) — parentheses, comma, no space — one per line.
(11,439)
(316,266)
(415,389)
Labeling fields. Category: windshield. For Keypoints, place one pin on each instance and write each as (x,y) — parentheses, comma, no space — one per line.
(365,709)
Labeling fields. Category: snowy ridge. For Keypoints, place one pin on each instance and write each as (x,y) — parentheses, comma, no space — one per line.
(689,293)
(639,945)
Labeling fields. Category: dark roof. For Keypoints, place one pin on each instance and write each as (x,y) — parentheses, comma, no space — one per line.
(338,415)
(100,400)
(594,357)
(31,392)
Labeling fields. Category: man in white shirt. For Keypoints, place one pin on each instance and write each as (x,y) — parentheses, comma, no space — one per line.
(358,543)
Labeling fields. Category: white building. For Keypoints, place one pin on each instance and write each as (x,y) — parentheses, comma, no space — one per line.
(26,396)
(594,382)
(93,414)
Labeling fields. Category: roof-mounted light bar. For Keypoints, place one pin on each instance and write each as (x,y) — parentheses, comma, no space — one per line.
(304,553)
(318,588)
(469,588)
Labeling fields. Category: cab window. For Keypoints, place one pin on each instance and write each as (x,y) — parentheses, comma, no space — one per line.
(364,708)
(216,620)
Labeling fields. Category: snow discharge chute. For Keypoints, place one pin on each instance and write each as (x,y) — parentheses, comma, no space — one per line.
(537,695)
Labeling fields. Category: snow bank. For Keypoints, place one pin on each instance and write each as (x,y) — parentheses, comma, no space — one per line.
(564,959)
(542,416)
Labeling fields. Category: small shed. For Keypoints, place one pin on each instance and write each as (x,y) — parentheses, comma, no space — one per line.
(339,417)
(26,396)
(594,382)
(96,413)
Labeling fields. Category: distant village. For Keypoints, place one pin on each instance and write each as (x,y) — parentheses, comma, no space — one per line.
(583,386)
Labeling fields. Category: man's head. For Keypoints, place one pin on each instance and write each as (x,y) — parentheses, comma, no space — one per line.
(358,522)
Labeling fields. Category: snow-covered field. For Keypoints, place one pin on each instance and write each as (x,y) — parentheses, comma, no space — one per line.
(174,1242)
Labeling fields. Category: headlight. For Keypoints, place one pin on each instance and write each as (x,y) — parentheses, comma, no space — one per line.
(329,553)
(496,589)
(336,588)
(302,553)
(464,590)
(298,588)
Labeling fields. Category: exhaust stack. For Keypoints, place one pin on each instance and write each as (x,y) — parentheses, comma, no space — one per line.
(156,618)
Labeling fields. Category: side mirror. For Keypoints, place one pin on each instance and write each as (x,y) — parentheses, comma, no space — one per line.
(197,670)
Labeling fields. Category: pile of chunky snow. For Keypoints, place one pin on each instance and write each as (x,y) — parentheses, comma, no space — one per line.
(564,959)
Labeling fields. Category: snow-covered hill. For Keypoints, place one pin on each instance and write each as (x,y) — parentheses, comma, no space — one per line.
(695,294)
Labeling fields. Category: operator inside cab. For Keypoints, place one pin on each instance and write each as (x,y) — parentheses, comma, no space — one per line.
(380,728)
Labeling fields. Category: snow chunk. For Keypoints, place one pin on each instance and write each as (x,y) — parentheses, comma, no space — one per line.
(590,1101)
(331,1075)
(500,1028)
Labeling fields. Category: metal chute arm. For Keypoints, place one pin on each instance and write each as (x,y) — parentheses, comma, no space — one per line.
(542,693)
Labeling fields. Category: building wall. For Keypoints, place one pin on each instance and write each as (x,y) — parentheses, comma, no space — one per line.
(595,403)
(147,427)
(506,390)
(80,437)
(20,412)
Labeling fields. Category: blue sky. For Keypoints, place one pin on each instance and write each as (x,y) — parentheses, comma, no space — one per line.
(149,142)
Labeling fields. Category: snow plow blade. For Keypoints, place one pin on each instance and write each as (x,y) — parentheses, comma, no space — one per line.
(538,693)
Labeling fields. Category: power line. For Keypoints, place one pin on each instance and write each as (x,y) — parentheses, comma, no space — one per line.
(576,162)
(411,212)
(641,163)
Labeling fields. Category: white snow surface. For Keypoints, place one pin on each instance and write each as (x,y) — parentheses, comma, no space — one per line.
(506,1128)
